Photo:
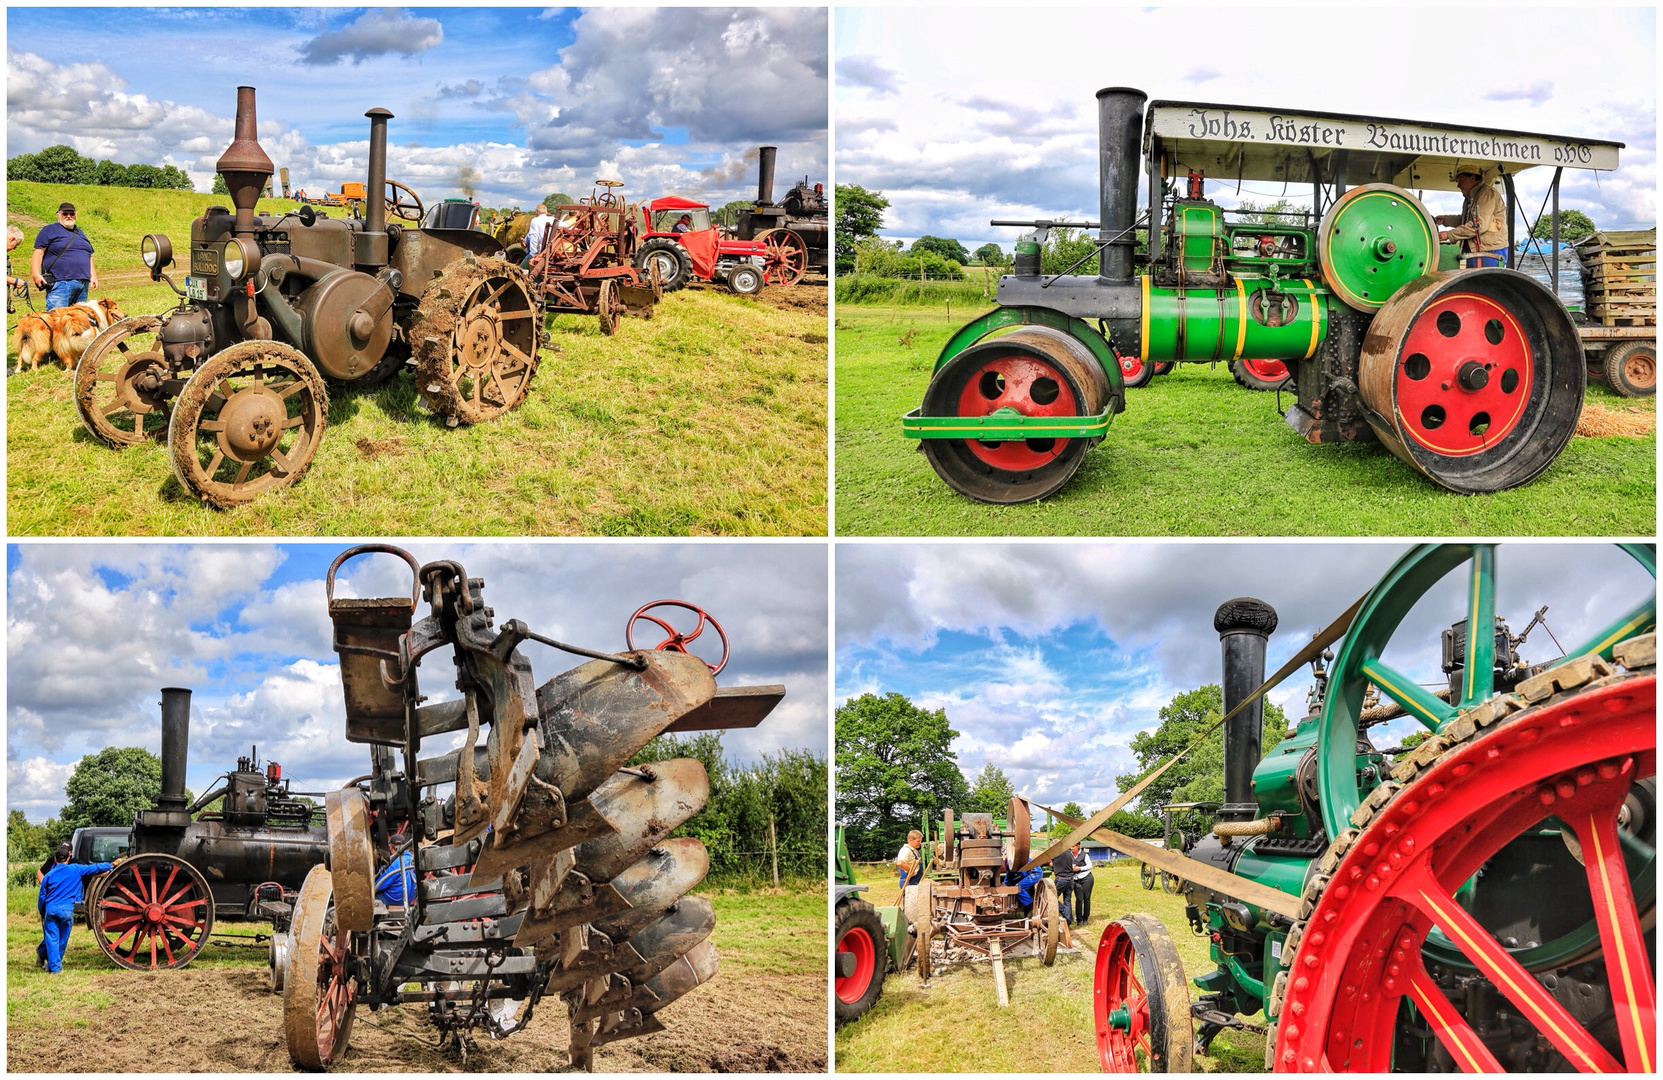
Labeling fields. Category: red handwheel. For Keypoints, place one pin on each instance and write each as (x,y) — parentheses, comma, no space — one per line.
(677,641)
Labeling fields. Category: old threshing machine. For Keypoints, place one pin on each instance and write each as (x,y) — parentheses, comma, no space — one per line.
(586,265)
(796,229)
(1473,377)
(272,306)
(1482,900)
(542,863)
(187,867)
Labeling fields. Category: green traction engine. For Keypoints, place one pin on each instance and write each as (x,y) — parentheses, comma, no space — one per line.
(1484,899)
(1474,377)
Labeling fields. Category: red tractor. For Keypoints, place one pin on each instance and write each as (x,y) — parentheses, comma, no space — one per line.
(699,250)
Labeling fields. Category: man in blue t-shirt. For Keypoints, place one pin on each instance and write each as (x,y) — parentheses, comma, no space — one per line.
(62,263)
(396,885)
(60,887)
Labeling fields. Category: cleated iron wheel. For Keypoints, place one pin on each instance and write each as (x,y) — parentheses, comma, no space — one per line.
(119,392)
(1474,377)
(1140,999)
(151,912)
(1260,374)
(1137,372)
(1631,368)
(1035,371)
(320,998)
(671,260)
(249,421)
(476,336)
(609,307)
(858,977)
(787,257)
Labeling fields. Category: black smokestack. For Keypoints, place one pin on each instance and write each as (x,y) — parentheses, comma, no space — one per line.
(176,735)
(1119,149)
(1244,627)
(765,175)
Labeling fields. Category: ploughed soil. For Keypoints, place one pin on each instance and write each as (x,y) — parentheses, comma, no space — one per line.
(807,295)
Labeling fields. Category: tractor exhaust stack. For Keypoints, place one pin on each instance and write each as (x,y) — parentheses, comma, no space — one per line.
(374,237)
(244,165)
(765,175)
(176,734)
(1119,146)
(1244,627)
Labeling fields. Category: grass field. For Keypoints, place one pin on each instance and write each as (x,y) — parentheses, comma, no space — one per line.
(1048,1027)
(708,419)
(1196,455)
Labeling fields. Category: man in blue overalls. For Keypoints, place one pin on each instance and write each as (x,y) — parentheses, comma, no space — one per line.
(60,887)
(396,886)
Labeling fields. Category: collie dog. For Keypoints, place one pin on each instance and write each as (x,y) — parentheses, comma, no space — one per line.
(63,332)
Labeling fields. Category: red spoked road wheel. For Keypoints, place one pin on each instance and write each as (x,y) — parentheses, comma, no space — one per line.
(1034,371)
(152,912)
(1259,374)
(1140,1001)
(1569,763)
(858,979)
(787,257)
(1136,372)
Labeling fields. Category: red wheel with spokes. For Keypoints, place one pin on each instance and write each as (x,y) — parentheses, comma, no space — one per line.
(1567,767)
(1259,374)
(787,257)
(1140,1001)
(677,641)
(152,912)
(321,998)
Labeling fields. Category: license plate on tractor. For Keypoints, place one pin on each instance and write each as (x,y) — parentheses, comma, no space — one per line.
(196,288)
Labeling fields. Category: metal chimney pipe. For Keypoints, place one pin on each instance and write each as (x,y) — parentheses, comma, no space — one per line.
(176,734)
(1244,627)
(765,175)
(373,241)
(1119,150)
(244,164)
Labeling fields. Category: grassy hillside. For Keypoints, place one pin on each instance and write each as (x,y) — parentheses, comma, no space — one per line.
(708,419)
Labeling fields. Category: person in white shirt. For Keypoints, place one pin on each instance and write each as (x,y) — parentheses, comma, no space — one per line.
(907,863)
(541,219)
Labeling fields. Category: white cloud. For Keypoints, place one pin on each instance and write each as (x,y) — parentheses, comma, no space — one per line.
(377,32)
(36,786)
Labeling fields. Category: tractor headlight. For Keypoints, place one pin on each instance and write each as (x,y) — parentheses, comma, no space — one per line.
(156,250)
(241,256)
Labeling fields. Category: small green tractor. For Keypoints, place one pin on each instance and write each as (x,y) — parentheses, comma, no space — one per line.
(871,941)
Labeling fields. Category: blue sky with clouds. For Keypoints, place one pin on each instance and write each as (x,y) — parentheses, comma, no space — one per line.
(93,632)
(670,100)
(964,114)
(1049,657)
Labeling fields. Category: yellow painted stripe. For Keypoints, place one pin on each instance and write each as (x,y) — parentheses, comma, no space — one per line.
(1472,638)
(1477,949)
(1447,1023)
(1143,337)
(1401,696)
(1319,316)
(1621,632)
(1622,954)
(1241,318)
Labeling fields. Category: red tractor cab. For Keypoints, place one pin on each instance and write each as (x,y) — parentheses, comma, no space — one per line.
(699,250)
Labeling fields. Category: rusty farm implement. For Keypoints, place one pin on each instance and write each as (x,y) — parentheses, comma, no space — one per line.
(587,262)
(540,864)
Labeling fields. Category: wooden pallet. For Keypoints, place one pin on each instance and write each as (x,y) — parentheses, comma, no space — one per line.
(1619,276)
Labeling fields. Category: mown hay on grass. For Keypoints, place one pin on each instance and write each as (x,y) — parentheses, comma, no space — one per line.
(1598,421)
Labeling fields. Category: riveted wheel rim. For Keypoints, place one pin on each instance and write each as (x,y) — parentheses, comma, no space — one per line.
(857,942)
(1466,375)
(117,383)
(152,912)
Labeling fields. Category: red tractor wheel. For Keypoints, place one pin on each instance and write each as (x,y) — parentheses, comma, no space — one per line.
(1363,976)
(860,959)
(1259,374)
(787,257)
(151,912)
(1136,372)
(1140,1001)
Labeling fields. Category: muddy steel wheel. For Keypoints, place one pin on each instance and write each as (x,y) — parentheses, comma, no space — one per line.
(609,307)
(1140,999)
(1474,377)
(1035,371)
(319,998)
(1049,914)
(1259,374)
(1631,368)
(1568,761)
(476,337)
(351,859)
(858,978)
(248,422)
(118,391)
(152,912)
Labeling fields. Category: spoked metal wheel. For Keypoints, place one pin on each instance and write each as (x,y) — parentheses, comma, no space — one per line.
(1259,374)
(1140,1000)
(1474,377)
(787,257)
(1361,961)
(1136,372)
(609,307)
(1034,371)
(119,391)
(1147,876)
(476,334)
(320,998)
(1171,883)
(152,912)
(248,422)
(1049,916)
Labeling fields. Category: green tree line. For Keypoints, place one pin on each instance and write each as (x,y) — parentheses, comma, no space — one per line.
(64,165)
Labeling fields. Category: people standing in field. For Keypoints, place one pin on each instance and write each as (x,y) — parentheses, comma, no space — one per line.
(62,262)
(60,887)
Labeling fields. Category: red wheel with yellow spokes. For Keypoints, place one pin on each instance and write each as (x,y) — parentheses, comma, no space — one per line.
(678,641)
(151,912)
(1140,1001)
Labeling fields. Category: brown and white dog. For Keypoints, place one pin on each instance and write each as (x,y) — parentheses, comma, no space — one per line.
(63,332)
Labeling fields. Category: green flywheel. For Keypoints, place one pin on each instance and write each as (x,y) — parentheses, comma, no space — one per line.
(1374,240)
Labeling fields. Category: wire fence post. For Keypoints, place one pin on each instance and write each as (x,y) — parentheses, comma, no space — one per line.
(774,849)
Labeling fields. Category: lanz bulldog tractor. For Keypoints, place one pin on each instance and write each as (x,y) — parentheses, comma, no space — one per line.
(272,306)
(1474,377)
(542,864)
(1484,899)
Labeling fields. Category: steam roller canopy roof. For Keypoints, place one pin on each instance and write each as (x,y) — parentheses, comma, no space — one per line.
(1250,142)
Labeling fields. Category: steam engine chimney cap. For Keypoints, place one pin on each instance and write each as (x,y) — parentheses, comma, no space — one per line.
(1245,614)
(379,112)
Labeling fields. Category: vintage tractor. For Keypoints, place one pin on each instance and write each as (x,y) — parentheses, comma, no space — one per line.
(1479,900)
(871,941)
(1474,377)
(542,863)
(186,867)
(795,230)
(586,265)
(701,251)
(274,305)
